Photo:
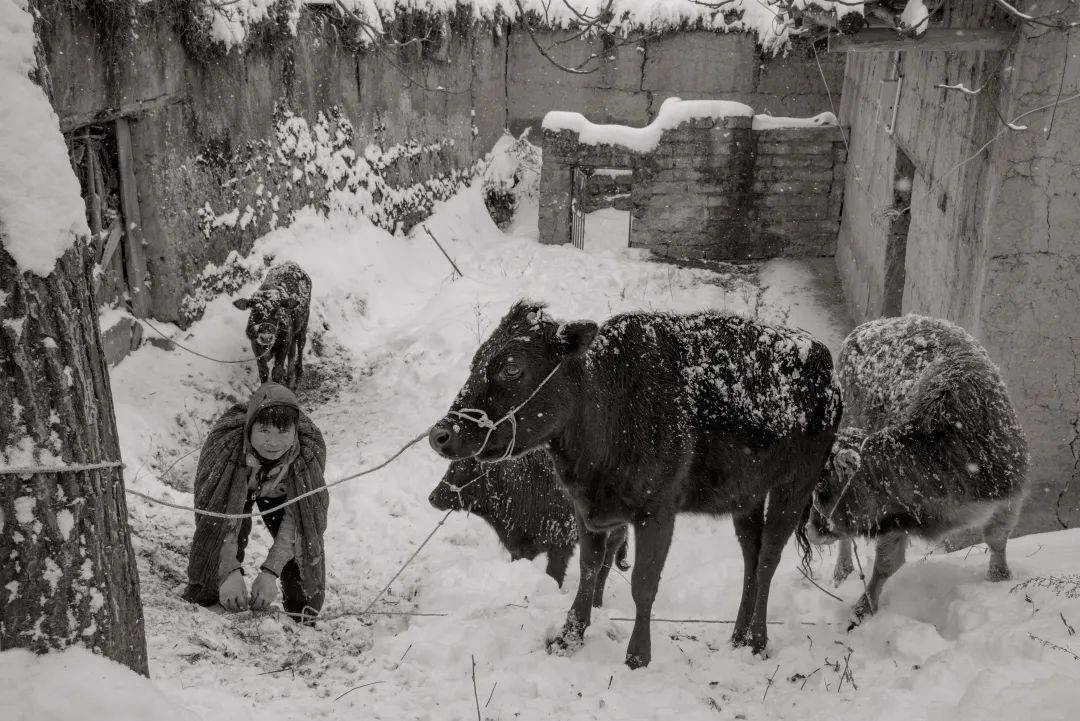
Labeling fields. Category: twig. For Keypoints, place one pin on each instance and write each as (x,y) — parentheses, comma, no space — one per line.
(1049,644)
(1068,627)
(769,684)
(862,576)
(405,654)
(827,593)
(476,697)
(808,677)
(363,685)
(432,236)
(492,694)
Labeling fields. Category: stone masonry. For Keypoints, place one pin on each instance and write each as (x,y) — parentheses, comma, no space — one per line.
(712,189)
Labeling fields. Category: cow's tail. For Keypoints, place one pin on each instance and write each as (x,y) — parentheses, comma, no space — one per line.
(806,551)
(620,555)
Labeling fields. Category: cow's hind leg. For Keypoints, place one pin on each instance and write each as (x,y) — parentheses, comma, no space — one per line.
(783,517)
(558,558)
(748,528)
(652,539)
(996,534)
(889,556)
(615,541)
(301,341)
(577,620)
(844,565)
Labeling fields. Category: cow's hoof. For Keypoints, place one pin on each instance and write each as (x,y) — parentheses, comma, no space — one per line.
(1001,573)
(568,641)
(840,573)
(862,610)
(636,660)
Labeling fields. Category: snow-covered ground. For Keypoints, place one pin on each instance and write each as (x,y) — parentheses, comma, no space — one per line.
(395,334)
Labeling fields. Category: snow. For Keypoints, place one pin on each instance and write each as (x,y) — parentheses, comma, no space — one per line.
(232,22)
(672,113)
(394,335)
(41,208)
(915,16)
(768,122)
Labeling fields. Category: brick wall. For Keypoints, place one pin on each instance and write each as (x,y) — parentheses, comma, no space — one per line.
(713,189)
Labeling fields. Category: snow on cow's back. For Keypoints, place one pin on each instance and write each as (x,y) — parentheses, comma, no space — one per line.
(735,372)
(882,360)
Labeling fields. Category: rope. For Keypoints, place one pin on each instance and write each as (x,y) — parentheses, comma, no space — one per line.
(481,419)
(72,468)
(195,352)
(257,514)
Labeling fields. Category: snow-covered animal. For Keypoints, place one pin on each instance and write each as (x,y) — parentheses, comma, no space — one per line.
(648,415)
(521,500)
(277,324)
(930,445)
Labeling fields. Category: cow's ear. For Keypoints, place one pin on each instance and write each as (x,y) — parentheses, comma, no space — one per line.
(575,337)
(289,303)
(242,303)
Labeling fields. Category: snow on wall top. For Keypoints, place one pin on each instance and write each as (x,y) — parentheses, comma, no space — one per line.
(821,120)
(673,112)
(767,19)
(41,208)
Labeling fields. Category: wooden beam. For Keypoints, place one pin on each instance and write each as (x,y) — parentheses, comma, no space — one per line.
(956,40)
(77,120)
(134,250)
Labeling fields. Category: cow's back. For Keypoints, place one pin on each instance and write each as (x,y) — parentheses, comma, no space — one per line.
(882,361)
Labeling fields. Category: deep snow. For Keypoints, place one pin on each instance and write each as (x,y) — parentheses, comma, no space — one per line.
(395,338)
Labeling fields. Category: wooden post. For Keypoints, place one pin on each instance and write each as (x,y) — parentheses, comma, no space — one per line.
(68,574)
(134,250)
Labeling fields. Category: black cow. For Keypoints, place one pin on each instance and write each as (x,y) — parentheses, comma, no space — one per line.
(930,445)
(278,322)
(651,414)
(521,500)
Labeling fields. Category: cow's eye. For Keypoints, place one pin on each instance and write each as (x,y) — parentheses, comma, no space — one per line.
(510,371)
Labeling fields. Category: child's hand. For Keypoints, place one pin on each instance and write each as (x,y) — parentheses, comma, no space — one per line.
(264,591)
(233,593)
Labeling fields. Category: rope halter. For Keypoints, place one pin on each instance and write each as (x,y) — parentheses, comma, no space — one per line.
(481,419)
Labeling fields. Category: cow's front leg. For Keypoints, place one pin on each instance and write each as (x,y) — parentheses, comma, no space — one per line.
(652,539)
(261,361)
(290,361)
(278,373)
(577,620)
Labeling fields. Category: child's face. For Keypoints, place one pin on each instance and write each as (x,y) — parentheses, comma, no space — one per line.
(271,442)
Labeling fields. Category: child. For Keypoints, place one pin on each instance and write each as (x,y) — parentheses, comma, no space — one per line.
(260,457)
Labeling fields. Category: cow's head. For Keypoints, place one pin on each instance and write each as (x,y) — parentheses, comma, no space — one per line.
(518,394)
(464,487)
(834,511)
(271,310)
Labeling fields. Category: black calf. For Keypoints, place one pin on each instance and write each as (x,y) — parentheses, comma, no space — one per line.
(278,322)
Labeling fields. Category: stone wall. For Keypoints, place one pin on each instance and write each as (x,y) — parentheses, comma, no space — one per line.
(208,132)
(991,242)
(712,189)
(632,81)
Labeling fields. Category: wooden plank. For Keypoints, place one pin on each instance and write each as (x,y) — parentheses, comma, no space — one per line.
(134,250)
(957,40)
(77,120)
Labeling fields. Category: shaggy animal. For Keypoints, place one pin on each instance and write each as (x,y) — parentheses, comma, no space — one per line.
(649,415)
(277,324)
(930,445)
(521,500)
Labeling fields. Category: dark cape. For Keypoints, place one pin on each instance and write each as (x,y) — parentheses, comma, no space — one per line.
(221,484)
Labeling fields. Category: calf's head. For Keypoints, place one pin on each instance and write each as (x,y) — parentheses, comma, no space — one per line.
(834,511)
(466,486)
(520,389)
(270,312)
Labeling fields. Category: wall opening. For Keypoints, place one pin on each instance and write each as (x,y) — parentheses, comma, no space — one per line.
(897,238)
(601,208)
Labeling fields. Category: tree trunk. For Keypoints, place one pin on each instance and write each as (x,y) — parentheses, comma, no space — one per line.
(67,570)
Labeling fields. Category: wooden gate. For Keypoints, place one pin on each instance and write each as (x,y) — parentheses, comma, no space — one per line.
(577,207)
(102,159)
